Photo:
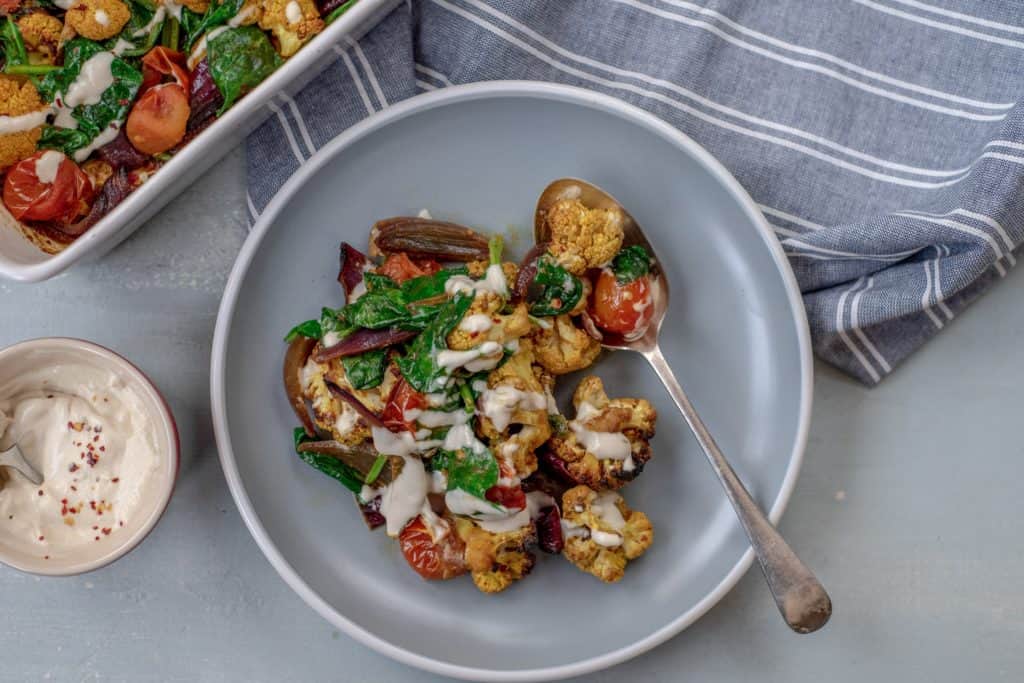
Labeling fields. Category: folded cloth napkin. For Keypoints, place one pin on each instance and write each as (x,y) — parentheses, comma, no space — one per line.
(882,139)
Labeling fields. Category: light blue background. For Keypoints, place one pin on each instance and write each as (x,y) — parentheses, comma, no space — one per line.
(908,508)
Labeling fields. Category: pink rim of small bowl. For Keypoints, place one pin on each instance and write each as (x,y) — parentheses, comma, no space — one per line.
(167,427)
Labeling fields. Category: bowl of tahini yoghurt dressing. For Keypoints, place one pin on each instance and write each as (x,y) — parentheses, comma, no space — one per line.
(106,444)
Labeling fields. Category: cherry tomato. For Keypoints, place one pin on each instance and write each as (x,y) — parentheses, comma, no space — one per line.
(160,62)
(402,398)
(63,200)
(399,267)
(621,308)
(431,559)
(157,121)
(511,497)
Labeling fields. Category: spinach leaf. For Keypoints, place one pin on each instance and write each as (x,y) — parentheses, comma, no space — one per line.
(428,286)
(310,328)
(421,316)
(189,24)
(217,14)
(560,289)
(375,282)
(338,11)
(631,263)
(92,119)
(335,321)
(468,470)
(14,46)
(366,370)
(332,467)
(141,44)
(240,58)
(419,366)
(377,310)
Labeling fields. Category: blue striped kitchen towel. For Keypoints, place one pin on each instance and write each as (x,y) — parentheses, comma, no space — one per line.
(881,138)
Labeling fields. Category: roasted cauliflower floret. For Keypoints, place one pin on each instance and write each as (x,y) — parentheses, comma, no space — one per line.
(607,445)
(41,33)
(197,6)
(485,322)
(564,347)
(513,412)
(496,560)
(292,22)
(98,19)
(17,99)
(602,533)
(332,415)
(583,238)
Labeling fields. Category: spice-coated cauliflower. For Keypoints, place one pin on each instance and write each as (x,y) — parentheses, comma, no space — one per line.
(626,420)
(602,533)
(334,416)
(17,99)
(502,328)
(197,6)
(528,427)
(564,347)
(41,33)
(496,560)
(98,19)
(293,22)
(583,238)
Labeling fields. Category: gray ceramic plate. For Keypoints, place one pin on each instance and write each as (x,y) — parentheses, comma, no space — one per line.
(736,335)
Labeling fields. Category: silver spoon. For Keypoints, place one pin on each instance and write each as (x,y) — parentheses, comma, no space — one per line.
(14,459)
(800,597)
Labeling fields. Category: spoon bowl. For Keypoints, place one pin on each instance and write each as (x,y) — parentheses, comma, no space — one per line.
(800,597)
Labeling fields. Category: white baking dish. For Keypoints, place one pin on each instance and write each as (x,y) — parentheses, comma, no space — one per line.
(22,261)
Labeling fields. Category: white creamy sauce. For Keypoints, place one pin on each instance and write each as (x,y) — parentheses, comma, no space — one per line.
(173,8)
(158,17)
(47,165)
(330,339)
(437,418)
(606,508)
(292,12)
(357,292)
(64,4)
(462,503)
(347,418)
(500,403)
(479,385)
(405,498)
(102,18)
(483,357)
(93,79)
(308,372)
(640,306)
(121,46)
(478,322)
(605,538)
(574,530)
(401,443)
(108,135)
(535,502)
(438,482)
(89,435)
(603,445)
(19,124)
(425,214)
(493,281)
(462,436)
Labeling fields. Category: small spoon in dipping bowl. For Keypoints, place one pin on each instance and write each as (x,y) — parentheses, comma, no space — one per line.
(14,459)
(800,597)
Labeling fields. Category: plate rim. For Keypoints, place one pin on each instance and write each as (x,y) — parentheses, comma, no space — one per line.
(396,112)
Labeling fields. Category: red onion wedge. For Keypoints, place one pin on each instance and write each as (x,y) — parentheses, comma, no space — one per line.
(527,271)
(353,262)
(294,359)
(371,513)
(426,238)
(360,458)
(363,340)
(113,193)
(549,530)
(556,466)
(371,417)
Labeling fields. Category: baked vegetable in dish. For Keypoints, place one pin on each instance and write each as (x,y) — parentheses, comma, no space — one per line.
(428,393)
(96,95)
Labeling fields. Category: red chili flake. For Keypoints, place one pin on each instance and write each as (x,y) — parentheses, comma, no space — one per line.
(49,396)
(74,488)
(92,460)
(95,527)
(96,539)
(73,467)
(96,438)
(40,492)
(46,557)
(120,523)
(92,504)
(106,531)
(41,538)
(70,426)
(116,479)
(103,449)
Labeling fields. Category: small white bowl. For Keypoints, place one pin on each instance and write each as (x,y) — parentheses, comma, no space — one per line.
(30,355)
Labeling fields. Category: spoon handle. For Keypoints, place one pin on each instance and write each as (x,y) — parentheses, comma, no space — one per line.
(800,597)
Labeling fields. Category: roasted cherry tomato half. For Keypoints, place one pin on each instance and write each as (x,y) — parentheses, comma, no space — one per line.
(60,196)
(402,398)
(511,497)
(622,308)
(157,121)
(399,267)
(431,559)
(160,62)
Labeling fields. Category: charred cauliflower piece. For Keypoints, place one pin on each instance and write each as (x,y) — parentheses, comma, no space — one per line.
(564,347)
(197,6)
(17,99)
(513,412)
(333,415)
(496,560)
(98,19)
(485,322)
(41,33)
(583,238)
(292,22)
(607,445)
(602,533)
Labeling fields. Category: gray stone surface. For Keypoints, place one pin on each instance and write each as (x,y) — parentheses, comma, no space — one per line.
(908,507)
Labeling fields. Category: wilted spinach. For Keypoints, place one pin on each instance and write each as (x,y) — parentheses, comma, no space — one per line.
(428,286)
(560,290)
(631,263)
(348,476)
(309,328)
(240,59)
(14,46)
(419,366)
(366,370)
(468,470)
(142,14)
(217,14)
